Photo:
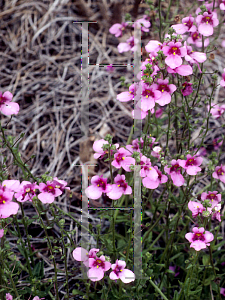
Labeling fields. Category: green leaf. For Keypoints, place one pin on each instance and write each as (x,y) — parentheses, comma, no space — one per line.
(199,289)
(219,245)
(77,292)
(205,260)
(20,248)
(209,279)
(38,270)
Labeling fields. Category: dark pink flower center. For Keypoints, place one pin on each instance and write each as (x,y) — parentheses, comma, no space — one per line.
(2,100)
(148,93)
(189,24)
(211,196)
(174,51)
(207,20)
(198,237)
(101,183)
(28,190)
(117,270)
(131,43)
(49,189)
(163,88)
(122,184)
(174,168)
(99,263)
(2,199)
(159,174)
(195,36)
(190,162)
(220,172)
(135,146)
(120,157)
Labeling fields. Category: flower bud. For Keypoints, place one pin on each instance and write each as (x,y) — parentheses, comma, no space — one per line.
(206,214)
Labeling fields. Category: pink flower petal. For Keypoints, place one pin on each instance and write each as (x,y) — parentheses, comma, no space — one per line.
(93,192)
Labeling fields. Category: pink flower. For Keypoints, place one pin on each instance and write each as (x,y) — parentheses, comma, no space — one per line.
(191,165)
(196,208)
(81,254)
(7,107)
(187,89)
(175,173)
(49,191)
(209,7)
(183,70)
(152,142)
(26,191)
(131,44)
(153,184)
(195,57)
(206,22)
(222,5)
(147,169)
(219,173)
(196,38)
(119,272)
(166,90)
(98,266)
(123,159)
(149,94)
(222,291)
(135,145)
(128,96)
(61,184)
(174,52)
(173,268)
(13,185)
(7,206)
(156,152)
(154,67)
(186,26)
(200,238)
(222,81)
(215,211)
(153,46)
(117,29)
(99,186)
(214,197)
(216,144)
(119,188)
(143,24)
(9,297)
(37,298)
(216,110)
(97,146)
(1,233)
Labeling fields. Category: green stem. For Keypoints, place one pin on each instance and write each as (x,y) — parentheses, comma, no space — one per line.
(158,290)
(28,237)
(130,238)
(23,246)
(11,279)
(214,271)
(50,247)
(207,125)
(167,135)
(65,260)
(16,157)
